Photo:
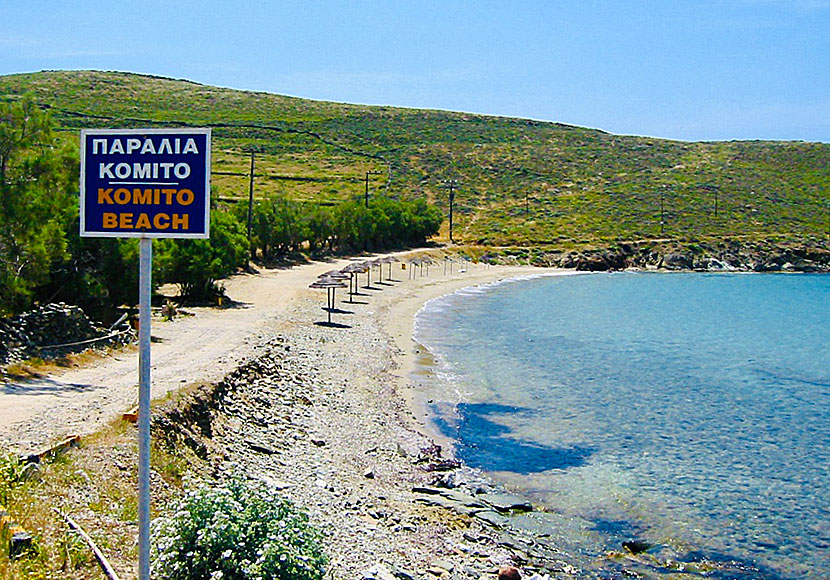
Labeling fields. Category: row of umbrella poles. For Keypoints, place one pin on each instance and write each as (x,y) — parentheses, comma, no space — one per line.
(422,264)
(334,279)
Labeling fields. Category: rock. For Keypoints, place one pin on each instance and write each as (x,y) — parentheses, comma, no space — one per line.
(463,499)
(319,442)
(592,264)
(443,565)
(453,479)
(509,573)
(505,502)
(675,261)
(443,502)
(275,484)
(636,546)
(493,518)
(426,490)
(379,572)
(443,465)
(369,474)
(402,574)
(260,447)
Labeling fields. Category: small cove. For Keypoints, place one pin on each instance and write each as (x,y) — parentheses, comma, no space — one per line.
(692,410)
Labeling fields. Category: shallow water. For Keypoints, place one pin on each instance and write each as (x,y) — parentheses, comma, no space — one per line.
(692,410)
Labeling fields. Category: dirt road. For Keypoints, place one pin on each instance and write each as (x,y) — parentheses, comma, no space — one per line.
(202,347)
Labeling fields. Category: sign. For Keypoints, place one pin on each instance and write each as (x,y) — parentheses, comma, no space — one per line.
(145,183)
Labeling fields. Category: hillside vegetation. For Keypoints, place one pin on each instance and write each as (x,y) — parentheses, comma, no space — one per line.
(43,259)
(519,182)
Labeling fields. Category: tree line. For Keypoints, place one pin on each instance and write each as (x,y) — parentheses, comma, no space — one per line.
(43,258)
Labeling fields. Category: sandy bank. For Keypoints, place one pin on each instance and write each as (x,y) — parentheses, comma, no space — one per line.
(323,415)
(205,347)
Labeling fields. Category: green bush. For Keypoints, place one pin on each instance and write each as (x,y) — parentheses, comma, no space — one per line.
(195,265)
(235,531)
(37,178)
(11,476)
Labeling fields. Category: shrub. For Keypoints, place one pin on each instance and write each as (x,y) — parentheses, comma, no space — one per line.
(11,476)
(235,531)
(195,265)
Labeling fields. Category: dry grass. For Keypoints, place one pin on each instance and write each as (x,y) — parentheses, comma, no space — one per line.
(95,484)
(37,367)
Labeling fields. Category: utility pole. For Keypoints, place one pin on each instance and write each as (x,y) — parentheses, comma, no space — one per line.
(452,184)
(366,194)
(251,204)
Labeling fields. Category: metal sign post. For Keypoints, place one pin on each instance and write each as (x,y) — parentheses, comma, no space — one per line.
(145,183)
(144,291)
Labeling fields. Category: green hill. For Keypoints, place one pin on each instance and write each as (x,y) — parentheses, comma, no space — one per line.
(520,182)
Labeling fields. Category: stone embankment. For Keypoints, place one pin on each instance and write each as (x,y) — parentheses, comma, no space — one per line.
(54,330)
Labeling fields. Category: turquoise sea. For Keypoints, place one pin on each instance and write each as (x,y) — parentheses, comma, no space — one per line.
(689,410)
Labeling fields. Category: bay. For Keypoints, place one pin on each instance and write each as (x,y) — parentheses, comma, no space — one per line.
(689,409)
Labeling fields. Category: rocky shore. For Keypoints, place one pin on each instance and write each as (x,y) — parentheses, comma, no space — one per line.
(709,256)
(390,504)
(323,414)
(319,414)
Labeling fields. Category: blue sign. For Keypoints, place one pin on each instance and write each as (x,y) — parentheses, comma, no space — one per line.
(152,183)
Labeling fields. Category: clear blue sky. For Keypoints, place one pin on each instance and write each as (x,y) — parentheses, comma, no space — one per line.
(680,69)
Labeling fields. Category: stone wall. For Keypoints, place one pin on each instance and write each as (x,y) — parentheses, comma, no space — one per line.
(54,330)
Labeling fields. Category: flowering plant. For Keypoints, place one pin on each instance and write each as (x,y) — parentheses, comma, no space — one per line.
(235,531)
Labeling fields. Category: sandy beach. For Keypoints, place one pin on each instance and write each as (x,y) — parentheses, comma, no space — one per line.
(211,342)
(326,416)
(322,413)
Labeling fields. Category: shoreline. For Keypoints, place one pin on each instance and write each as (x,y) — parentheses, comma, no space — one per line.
(327,416)
(324,416)
(410,355)
(401,317)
